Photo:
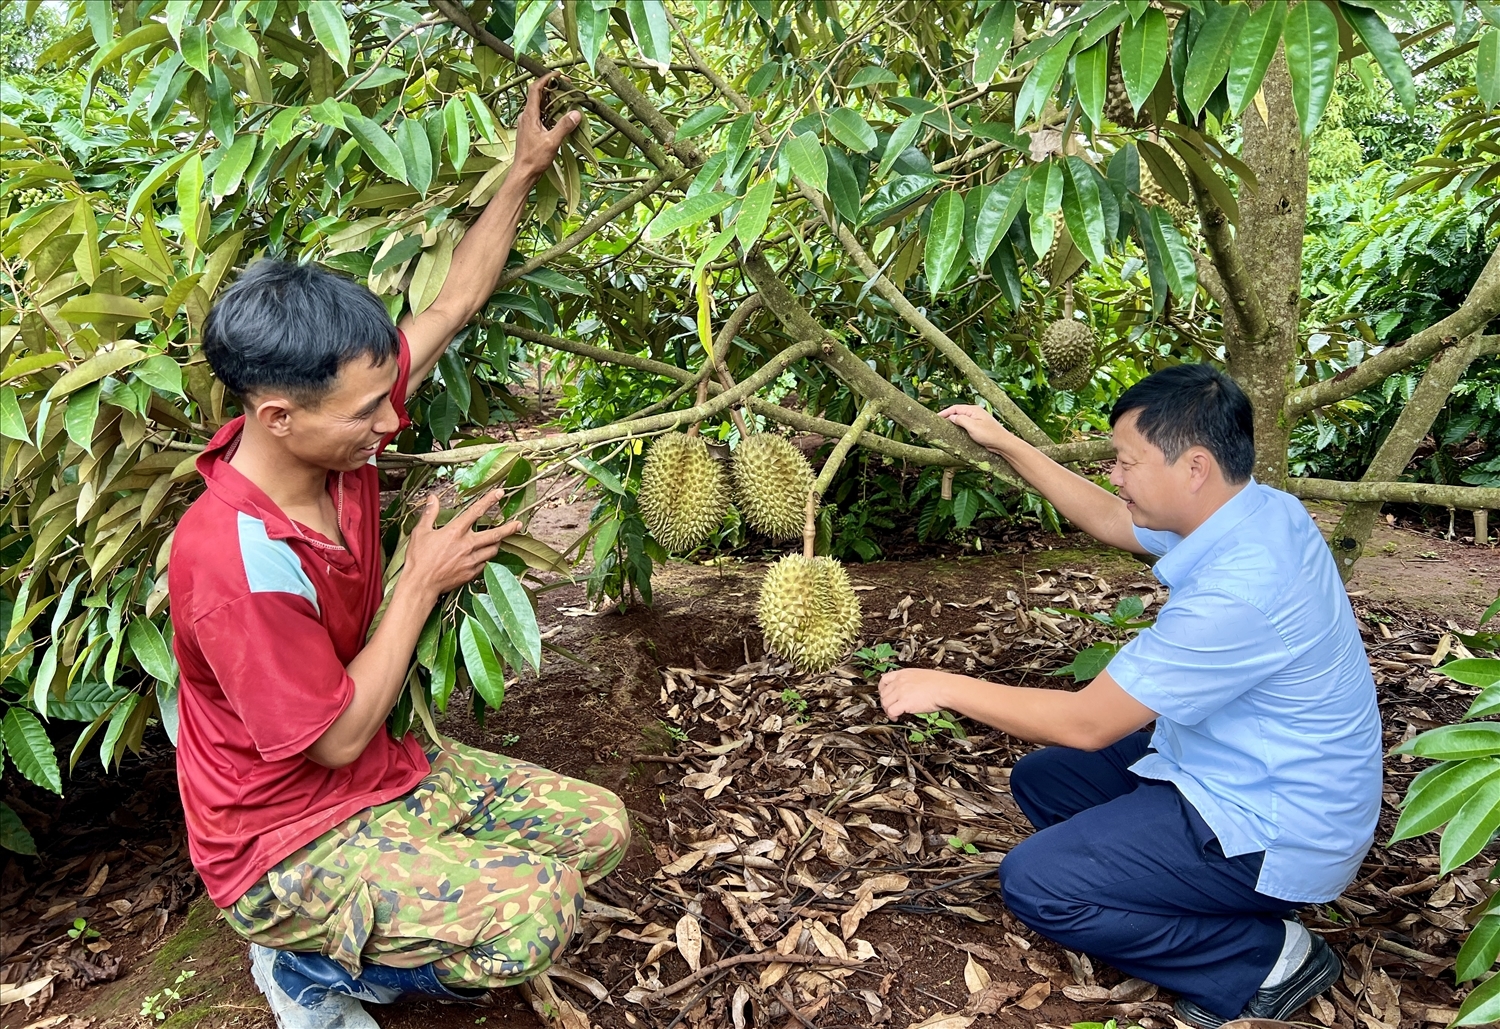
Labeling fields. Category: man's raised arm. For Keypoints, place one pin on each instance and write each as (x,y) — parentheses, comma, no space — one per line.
(1096,511)
(480,256)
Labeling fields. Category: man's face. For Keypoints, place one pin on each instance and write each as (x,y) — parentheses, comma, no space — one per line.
(341,431)
(1154,490)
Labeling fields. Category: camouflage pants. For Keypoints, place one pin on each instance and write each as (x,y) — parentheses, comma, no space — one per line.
(480,870)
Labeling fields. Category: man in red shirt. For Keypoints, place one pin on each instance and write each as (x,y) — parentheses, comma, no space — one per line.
(359,865)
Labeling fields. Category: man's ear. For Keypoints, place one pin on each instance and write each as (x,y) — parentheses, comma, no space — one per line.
(1201,467)
(274,413)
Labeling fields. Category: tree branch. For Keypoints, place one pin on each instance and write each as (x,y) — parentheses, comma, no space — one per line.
(664,422)
(1208,278)
(583,232)
(884,445)
(1478,309)
(1469,498)
(455,13)
(1234,278)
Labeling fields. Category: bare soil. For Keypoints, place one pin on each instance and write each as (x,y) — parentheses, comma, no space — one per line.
(604,719)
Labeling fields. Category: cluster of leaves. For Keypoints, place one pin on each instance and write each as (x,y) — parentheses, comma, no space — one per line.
(1460,795)
(1124,621)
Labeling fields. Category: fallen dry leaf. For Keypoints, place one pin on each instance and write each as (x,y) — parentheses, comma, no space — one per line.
(991,999)
(1132,990)
(941,1021)
(975,977)
(1321,1011)
(1086,994)
(690,940)
(865,900)
(12,992)
(1033,997)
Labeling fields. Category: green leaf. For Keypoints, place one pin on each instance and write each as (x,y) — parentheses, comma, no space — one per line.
(328,25)
(98,366)
(1042,81)
(900,140)
(1454,742)
(85,701)
(1083,212)
(653,34)
(843,187)
(600,474)
(1386,51)
(193,45)
(1088,663)
(1177,258)
(1482,1005)
(993,40)
(1143,54)
(754,211)
(1473,671)
(232,165)
(480,661)
(12,421)
(1477,955)
(166,707)
(81,414)
(965,507)
(516,613)
(162,372)
(871,75)
(1487,68)
(945,235)
(456,130)
(1432,800)
(374,141)
(190,196)
(593,26)
(232,34)
(850,129)
(699,122)
(444,675)
(403,250)
(104,307)
(1312,54)
(416,154)
(116,727)
(1000,207)
(13,835)
(1044,191)
(531,16)
(808,161)
(1472,827)
(1211,52)
(30,749)
(151,650)
(895,196)
(1091,77)
(687,213)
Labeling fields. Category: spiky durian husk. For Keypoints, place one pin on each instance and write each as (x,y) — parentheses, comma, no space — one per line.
(1067,343)
(1073,378)
(1154,193)
(808,611)
(771,482)
(684,491)
(1117,106)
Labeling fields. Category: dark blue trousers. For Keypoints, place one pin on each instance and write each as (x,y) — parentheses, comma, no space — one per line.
(1124,869)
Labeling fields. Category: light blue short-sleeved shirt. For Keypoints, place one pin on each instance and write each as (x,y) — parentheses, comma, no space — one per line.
(1268,722)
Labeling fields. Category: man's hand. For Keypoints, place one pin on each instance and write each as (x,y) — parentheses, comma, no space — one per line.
(982,427)
(439,560)
(537,145)
(913,691)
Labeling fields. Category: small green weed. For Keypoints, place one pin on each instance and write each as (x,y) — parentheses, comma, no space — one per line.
(159,1005)
(876,660)
(676,732)
(794,702)
(81,931)
(937,722)
(962,846)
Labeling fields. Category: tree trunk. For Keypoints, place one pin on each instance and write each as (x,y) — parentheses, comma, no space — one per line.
(1273,217)
(1400,445)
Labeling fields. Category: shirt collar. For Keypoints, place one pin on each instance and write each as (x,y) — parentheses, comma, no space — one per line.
(1178,563)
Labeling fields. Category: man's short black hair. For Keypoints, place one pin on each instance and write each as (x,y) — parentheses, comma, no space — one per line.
(1194,405)
(286,326)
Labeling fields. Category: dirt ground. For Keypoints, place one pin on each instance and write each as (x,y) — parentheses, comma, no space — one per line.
(116,857)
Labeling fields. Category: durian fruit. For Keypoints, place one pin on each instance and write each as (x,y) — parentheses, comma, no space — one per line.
(684,491)
(808,611)
(1117,107)
(1153,192)
(1073,378)
(771,480)
(1067,344)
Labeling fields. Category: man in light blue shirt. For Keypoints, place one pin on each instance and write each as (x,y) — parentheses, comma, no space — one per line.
(1178,856)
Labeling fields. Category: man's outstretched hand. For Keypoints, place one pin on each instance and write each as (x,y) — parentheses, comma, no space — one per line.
(537,145)
(981,426)
(439,560)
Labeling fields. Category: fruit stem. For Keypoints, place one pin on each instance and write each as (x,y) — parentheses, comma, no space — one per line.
(702,398)
(1067,303)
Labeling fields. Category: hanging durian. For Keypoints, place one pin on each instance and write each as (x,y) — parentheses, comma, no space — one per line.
(1067,347)
(1154,193)
(771,480)
(808,611)
(1117,106)
(684,491)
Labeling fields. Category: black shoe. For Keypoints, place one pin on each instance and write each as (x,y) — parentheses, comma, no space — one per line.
(1320,970)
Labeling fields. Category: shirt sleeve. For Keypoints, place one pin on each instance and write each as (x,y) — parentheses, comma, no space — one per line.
(403,383)
(1202,653)
(277,667)
(1156,542)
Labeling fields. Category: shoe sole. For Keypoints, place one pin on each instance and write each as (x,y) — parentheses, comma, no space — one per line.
(1320,978)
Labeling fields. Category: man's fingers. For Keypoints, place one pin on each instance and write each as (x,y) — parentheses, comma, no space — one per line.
(488,537)
(477,509)
(566,124)
(430,508)
(534,92)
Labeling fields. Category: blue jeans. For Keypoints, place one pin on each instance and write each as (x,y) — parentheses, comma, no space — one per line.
(1124,869)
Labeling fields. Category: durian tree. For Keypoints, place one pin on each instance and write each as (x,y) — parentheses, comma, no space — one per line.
(776,215)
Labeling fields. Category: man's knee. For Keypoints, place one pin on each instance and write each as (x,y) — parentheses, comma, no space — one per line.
(1032,781)
(611,835)
(1028,885)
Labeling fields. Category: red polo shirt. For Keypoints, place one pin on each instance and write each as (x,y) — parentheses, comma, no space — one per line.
(266,615)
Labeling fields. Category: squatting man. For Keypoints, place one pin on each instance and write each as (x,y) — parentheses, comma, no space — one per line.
(1178,855)
(360,866)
